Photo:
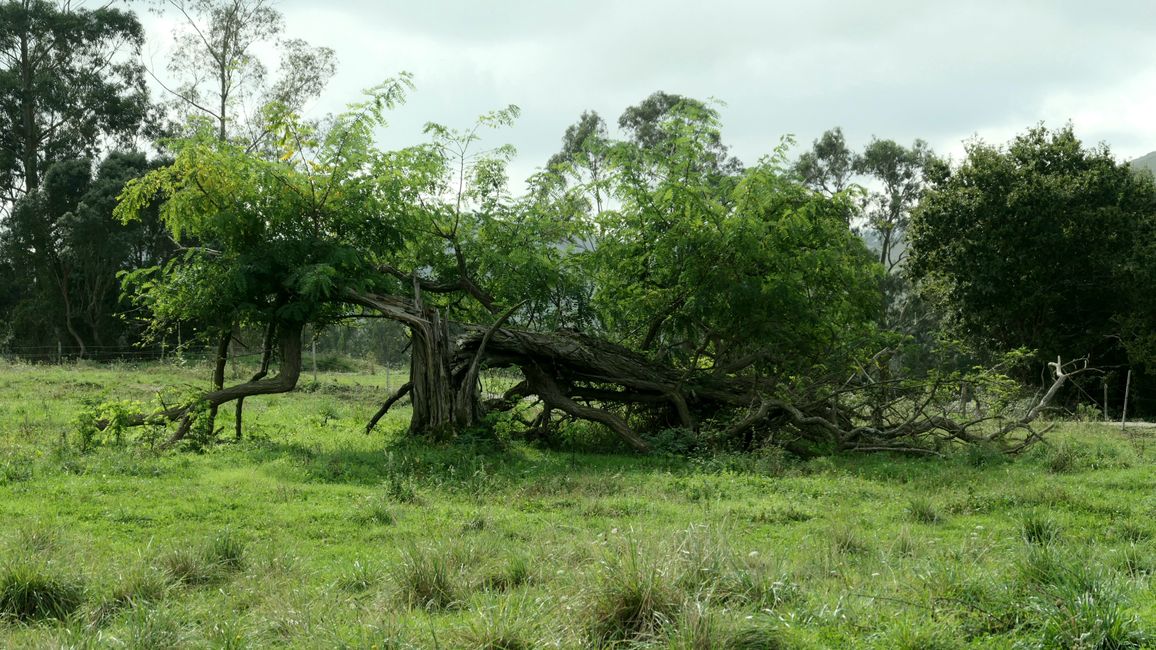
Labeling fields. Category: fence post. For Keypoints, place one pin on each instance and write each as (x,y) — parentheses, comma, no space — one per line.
(1124,413)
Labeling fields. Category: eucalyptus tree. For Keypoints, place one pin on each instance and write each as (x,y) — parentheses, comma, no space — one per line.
(219,75)
(829,166)
(67,250)
(69,84)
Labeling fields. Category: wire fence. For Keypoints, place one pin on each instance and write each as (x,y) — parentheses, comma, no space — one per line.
(51,354)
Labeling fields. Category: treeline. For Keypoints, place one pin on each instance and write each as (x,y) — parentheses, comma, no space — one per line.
(248,220)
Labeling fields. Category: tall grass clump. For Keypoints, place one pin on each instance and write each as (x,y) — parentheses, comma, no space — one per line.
(1039,530)
(512,624)
(923,511)
(206,563)
(140,586)
(427,579)
(702,628)
(632,600)
(1079,606)
(30,591)
(712,571)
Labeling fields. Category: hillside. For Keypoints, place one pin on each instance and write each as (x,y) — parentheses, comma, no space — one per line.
(1147,161)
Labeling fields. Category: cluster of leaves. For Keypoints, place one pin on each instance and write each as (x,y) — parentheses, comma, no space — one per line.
(1037,244)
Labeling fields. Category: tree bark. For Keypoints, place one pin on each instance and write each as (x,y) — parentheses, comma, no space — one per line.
(289,371)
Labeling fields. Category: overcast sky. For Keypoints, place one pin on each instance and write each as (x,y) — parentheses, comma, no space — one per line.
(898,69)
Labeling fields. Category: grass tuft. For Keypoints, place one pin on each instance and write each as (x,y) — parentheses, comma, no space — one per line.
(516,571)
(141,586)
(207,563)
(30,591)
(512,624)
(922,510)
(427,579)
(1039,530)
(847,540)
(632,600)
(360,577)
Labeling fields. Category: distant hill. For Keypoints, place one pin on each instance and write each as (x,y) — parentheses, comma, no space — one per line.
(1147,161)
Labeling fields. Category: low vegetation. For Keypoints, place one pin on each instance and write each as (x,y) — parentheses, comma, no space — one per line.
(309,533)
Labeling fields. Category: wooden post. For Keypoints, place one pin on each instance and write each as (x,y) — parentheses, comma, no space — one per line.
(1105,402)
(315,360)
(1124,413)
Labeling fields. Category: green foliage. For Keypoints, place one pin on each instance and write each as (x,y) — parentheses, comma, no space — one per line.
(275,240)
(699,263)
(103,422)
(67,251)
(1030,244)
(72,83)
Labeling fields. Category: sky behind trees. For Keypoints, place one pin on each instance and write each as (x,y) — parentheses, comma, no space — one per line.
(893,68)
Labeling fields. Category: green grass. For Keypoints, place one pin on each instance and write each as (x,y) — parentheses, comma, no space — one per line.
(309,533)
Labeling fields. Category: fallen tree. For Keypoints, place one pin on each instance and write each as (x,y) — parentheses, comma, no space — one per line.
(587,378)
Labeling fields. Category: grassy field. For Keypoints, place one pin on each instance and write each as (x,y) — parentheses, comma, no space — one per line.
(311,534)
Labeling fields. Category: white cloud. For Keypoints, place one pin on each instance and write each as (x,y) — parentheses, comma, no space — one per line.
(901,69)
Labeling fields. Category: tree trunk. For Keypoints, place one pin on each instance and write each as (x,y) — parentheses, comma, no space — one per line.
(432,391)
(219,362)
(289,371)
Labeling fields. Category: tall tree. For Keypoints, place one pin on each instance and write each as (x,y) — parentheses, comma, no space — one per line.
(901,173)
(69,83)
(829,165)
(66,251)
(223,80)
(220,76)
(583,157)
(1028,244)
